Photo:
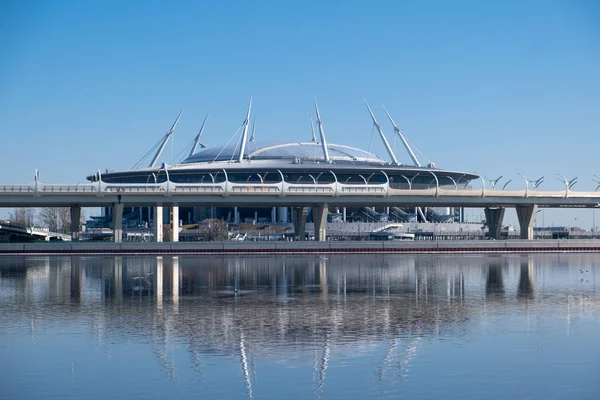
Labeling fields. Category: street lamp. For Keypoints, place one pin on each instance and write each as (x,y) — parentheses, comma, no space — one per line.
(535,218)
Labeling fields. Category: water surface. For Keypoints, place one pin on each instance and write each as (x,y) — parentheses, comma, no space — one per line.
(331,327)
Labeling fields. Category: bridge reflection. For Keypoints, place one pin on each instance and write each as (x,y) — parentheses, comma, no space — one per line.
(263,306)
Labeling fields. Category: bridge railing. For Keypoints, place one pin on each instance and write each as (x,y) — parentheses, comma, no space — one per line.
(253,188)
(281,188)
(17,189)
(218,188)
(379,189)
(52,188)
(413,192)
(132,188)
(309,189)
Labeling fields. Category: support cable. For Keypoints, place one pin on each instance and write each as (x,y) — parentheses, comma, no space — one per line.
(148,153)
(419,150)
(230,139)
(371,137)
(180,156)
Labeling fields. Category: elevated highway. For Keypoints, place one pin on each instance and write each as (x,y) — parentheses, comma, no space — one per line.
(280,194)
(299,196)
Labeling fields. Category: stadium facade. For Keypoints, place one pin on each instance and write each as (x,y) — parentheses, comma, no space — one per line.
(314,162)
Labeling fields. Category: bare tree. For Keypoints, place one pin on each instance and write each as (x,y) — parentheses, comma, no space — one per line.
(23,217)
(216,228)
(64,216)
(49,218)
(56,219)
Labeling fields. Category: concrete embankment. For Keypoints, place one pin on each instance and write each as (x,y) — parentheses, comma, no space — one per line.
(464,247)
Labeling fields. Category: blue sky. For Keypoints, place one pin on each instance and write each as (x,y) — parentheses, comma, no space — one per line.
(491,87)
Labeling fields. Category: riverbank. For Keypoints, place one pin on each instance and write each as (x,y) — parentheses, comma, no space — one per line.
(457,247)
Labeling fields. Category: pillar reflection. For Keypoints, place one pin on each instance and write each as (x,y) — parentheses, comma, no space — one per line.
(118,278)
(526,289)
(323,276)
(159,282)
(76,279)
(494,284)
(175,282)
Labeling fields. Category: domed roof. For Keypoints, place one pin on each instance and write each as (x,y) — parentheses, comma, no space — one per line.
(305,151)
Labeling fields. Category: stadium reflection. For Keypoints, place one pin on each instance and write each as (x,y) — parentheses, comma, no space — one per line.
(264,306)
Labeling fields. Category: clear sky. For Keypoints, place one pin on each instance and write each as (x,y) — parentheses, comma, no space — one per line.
(491,87)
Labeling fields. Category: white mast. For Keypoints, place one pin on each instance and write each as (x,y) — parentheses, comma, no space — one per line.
(312,128)
(165,140)
(197,140)
(253,129)
(245,134)
(322,133)
(399,132)
(380,130)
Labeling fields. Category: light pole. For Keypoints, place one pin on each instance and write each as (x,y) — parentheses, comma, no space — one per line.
(535,221)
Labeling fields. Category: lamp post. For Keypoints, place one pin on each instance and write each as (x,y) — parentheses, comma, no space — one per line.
(594,222)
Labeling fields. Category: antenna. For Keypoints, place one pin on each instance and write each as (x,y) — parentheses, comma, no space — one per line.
(245,133)
(165,140)
(385,142)
(253,129)
(197,140)
(312,128)
(406,145)
(322,133)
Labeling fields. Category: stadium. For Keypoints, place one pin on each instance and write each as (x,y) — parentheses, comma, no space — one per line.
(292,164)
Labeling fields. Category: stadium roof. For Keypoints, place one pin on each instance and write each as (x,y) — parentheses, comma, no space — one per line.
(305,151)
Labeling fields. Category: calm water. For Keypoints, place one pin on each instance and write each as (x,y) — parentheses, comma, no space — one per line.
(331,327)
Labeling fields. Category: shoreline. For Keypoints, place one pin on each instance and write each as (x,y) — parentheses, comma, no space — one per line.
(330,247)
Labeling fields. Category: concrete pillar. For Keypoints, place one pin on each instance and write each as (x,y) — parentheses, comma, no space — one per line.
(236,215)
(282,214)
(117,213)
(344,214)
(158,224)
(175,224)
(494,217)
(274,215)
(320,219)
(75,222)
(299,220)
(526,216)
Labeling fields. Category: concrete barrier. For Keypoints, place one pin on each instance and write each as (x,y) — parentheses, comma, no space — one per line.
(480,246)
(13,247)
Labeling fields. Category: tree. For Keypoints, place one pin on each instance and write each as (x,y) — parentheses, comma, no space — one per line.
(56,219)
(216,228)
(23,217)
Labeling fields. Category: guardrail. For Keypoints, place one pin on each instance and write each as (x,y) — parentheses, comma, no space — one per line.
(282,188)
(17,189)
